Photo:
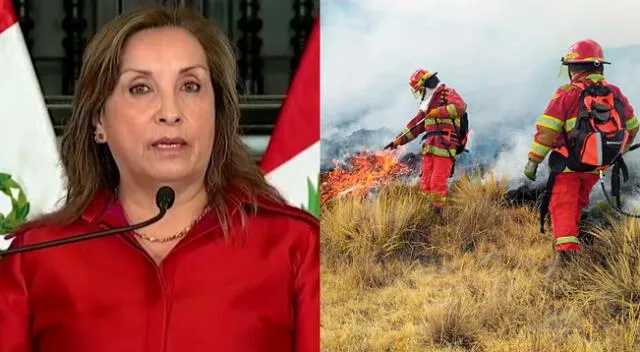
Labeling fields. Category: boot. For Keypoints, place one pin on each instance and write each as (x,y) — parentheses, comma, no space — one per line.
(566,257)
(558,271)
(561,260)
(437,211)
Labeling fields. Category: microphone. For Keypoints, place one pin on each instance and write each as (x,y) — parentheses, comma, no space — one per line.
(164,200)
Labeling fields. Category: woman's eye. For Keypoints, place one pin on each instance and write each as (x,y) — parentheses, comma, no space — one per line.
(139,89)
(192,87)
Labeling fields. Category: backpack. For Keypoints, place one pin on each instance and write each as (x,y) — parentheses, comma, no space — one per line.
(600,135)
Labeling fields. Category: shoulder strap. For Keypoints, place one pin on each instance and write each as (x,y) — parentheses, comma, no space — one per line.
(619,169)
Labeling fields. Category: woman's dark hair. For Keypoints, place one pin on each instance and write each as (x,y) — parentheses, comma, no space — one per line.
(90,167)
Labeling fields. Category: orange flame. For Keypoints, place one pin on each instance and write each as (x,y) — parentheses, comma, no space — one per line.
(361,172)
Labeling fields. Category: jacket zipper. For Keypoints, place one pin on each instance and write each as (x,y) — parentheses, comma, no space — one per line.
(162,281)
(158,268)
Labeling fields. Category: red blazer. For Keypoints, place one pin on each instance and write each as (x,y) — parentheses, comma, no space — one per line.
(258,292)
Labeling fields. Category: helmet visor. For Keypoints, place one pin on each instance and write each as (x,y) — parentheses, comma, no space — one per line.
(564,71)
(417,93)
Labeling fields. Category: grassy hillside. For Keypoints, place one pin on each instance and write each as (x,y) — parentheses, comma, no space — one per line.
(397,278)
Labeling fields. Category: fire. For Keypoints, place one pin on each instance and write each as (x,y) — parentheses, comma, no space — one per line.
(361,172)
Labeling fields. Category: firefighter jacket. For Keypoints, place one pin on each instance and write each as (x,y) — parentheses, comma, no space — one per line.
(561,115)
(439,119)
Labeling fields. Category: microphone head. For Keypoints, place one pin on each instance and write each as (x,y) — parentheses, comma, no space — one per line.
(165,197)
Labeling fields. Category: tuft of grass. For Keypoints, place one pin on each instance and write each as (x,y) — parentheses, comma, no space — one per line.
(396,277)
(453,323)
(370,240)
(606,277)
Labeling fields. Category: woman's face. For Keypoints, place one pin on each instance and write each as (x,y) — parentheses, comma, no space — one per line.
(159,121)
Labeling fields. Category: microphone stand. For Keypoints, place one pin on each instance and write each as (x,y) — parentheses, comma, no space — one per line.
(164,200)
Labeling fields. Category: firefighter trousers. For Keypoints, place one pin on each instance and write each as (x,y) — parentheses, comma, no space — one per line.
(569,195)
(434,180)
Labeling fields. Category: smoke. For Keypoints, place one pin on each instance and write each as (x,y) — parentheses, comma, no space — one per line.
(502,56)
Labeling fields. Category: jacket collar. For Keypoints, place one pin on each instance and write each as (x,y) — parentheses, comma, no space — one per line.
(428,100)
(439,89)
(98,205)
(105,208)
(588,78)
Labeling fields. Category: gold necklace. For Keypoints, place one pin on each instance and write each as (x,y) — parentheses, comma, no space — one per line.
(180,234)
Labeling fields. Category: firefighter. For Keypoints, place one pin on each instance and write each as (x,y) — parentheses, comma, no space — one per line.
(441,113)
(559,131)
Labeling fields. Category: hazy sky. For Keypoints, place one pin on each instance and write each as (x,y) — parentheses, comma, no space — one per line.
(371,47)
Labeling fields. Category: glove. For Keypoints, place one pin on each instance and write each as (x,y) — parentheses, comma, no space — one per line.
(531,169)
(393,145)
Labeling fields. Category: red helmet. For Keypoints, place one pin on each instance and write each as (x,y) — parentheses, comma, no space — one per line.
(585,51)
(417,79)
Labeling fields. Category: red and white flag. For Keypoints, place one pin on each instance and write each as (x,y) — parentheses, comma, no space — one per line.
(292,159)
(31,179)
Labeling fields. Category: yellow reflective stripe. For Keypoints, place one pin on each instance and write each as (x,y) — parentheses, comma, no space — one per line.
(550,122)
(566,169)
(439,198)
(429,149)
(595,77)
(567,239)
(408,134)
(453,112)
(632,123)
(431,122)
(570,124)
(539,149)
(537,153)
(433,197)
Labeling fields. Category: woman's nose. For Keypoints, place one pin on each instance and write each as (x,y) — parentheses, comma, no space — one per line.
(170,112)
(170,119)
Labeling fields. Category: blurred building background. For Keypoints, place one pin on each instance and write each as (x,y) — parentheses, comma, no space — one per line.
(270,36)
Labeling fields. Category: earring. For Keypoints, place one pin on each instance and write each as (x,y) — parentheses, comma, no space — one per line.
(99,137)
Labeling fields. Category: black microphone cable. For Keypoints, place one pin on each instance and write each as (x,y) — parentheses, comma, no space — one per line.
(164,200)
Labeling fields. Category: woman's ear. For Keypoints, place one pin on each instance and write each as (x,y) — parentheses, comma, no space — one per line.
(99,133)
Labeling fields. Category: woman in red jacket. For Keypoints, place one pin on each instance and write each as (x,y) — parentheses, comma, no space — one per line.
(230,267)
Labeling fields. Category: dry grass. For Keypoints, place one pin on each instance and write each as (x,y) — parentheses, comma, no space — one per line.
(397,278)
